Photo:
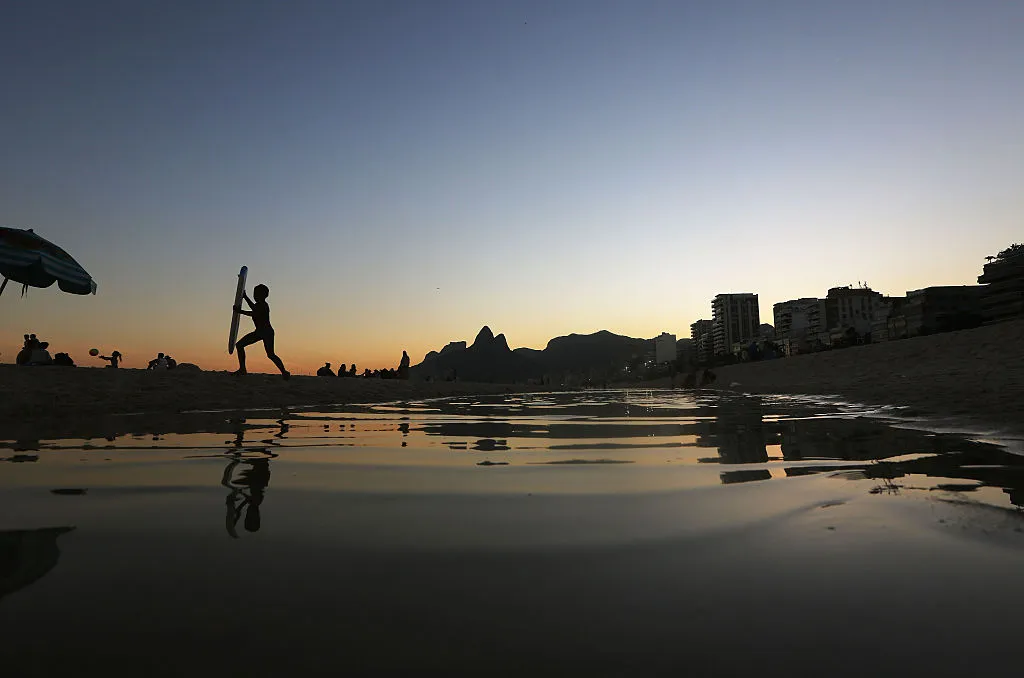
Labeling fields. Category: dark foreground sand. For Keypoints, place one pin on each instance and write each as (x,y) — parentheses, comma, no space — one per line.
(974,377)
(69,402)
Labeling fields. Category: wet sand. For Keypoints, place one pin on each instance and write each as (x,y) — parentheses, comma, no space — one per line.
(974,377)
(773,539)
(62,402)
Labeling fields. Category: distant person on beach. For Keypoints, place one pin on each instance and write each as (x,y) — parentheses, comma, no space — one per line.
(264,331)
(158,363)
(403,366)
(343,371)
(171,363)
(40,355)
(24,354)
(114,358)
(325,371)
(63,360)
(352,370)
(33,352)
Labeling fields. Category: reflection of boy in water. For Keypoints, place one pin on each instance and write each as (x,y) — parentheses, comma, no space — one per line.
(255,479)
(264,331)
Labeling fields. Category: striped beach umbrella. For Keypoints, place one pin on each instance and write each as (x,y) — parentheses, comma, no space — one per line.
(33,261)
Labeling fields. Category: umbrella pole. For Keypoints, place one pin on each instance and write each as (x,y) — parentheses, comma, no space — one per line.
(3,286)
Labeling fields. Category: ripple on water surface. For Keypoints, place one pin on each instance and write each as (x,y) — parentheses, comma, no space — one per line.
(492,518)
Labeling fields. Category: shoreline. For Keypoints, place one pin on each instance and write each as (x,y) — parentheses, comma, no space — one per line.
(972,379)
(49,402)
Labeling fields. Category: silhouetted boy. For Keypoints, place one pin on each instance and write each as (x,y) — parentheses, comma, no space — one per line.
(114,358)
(264,332)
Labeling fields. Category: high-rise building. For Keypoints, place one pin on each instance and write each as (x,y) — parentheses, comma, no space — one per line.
(855,307)
(799,318)
(1003,278)
(664,348)
(942,309)
(736,320)
(883,327)
(701,332)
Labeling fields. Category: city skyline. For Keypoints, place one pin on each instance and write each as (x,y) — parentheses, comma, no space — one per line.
(402,176)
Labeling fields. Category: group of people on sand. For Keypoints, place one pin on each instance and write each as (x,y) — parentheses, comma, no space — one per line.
(35,352)
(162,362)
(401,373)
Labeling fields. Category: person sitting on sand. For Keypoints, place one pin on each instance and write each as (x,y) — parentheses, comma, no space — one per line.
(264,331)
(171,362)
(40,354)
(114,358)
(403,367)
(24,355)
(352,370)
(325,371)
(343,371)
(63,360)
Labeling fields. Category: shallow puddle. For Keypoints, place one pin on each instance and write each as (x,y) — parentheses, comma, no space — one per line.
(607,532)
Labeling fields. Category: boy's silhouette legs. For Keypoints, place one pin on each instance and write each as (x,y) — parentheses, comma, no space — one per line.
(268,345)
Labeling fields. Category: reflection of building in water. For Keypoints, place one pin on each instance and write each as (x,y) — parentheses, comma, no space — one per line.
(730,477)
(26,556)
(986,465)
(849,439)
(737,431)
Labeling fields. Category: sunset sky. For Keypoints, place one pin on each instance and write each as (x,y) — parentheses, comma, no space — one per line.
(402,173)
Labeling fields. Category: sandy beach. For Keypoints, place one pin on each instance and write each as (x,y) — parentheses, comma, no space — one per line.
(974,377)
(53,401)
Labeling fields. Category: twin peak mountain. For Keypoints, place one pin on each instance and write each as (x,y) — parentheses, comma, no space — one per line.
(489,358)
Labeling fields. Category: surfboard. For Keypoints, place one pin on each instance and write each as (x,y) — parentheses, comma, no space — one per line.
(235,315)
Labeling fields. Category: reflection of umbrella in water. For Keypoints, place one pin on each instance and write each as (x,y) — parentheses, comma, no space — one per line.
(33,261)
(26,556)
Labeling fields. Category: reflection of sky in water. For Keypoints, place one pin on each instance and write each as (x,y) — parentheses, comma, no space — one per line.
(772,438)
(669,440)
(633,519)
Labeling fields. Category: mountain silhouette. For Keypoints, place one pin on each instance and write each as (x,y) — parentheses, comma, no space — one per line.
(599,356)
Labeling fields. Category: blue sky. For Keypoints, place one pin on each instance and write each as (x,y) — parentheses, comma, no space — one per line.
(402,173)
